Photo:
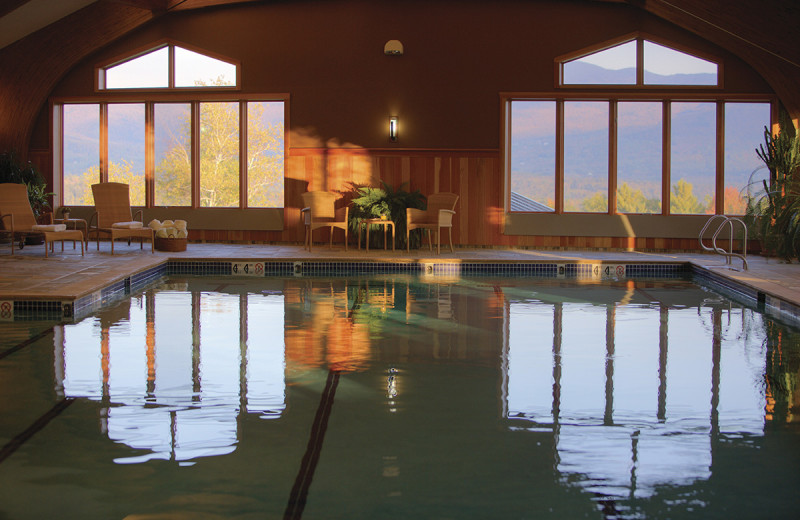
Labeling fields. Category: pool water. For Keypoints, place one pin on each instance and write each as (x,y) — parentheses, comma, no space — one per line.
(395,397)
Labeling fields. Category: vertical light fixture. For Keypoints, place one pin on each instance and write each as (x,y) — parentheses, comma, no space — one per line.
(393,129)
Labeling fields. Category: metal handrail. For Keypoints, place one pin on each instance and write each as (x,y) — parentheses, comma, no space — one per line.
(729,221)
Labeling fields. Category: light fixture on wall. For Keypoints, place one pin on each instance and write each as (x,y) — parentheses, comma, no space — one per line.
(393,48)
(393,129)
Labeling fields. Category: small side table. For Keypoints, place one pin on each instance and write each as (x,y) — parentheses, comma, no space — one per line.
(75,223)
(386,223)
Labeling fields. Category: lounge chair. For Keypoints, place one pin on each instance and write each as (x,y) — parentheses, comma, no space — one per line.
(441,208)
(18,220)
(320,211)
(113,216)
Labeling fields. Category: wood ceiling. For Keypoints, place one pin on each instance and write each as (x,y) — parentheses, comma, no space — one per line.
(764,34)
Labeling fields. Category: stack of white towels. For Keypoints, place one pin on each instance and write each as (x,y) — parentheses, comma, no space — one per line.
(169,228)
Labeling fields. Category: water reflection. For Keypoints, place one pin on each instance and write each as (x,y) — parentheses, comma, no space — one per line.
(637,394)
(638,384)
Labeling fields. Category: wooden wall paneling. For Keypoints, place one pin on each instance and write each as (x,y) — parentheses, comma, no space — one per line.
(461,187)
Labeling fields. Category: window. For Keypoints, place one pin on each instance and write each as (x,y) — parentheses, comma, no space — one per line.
(81,159)
(665,66)
(215,142)
(172,132)
(638,149)
(219,155)
(693,173)
(637,61)
(612,66)
(586,156)
(646,148)
(148,71)
(533,156)
(265,154)
(744,171)
(151,70)
(639,162)
(126,148)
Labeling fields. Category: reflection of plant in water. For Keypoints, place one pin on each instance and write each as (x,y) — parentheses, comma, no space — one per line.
(782,371)
(371,305)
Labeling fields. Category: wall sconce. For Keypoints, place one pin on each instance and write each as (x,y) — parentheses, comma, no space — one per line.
(393,129)
(393,48)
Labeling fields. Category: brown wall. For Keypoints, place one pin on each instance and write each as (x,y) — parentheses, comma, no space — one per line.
(459,56)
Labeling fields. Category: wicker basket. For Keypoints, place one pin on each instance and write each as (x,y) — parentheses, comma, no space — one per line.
(171,244)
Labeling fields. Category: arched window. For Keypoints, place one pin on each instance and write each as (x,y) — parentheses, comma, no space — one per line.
(188,148)
(637,61)
(633,126)
(168,66)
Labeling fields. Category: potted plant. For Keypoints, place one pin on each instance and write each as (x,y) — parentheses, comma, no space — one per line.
(11,170)
(773,213)
(385,202)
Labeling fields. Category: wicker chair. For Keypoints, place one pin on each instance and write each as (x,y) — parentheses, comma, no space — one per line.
(18,220)
(319,212)
(441,208)
(113,216)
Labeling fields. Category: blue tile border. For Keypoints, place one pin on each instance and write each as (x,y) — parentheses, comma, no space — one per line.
(776,308)
(81,307)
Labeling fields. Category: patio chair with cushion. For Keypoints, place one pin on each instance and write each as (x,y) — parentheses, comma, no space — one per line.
(441,208)
(319,211)
(18,220)
(113,216)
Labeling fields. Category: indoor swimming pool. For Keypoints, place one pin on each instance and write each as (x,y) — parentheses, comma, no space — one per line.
(403,397)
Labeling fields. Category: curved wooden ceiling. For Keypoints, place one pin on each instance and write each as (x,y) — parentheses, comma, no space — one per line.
(763,34)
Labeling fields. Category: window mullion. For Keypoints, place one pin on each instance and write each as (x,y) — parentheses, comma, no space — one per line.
(639,62)
(103,166)
(149,154)
(612,156)
(719,206)
(666,156)
(243,186)
(195,154)
(559,194)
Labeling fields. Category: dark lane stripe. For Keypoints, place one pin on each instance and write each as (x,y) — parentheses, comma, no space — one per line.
(25,343)
(17,442)
(297,499)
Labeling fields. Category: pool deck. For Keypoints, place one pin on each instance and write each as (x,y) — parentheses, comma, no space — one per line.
(66,275)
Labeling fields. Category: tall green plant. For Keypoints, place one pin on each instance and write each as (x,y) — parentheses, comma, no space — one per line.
(12,170)
(773,213)
(370,202)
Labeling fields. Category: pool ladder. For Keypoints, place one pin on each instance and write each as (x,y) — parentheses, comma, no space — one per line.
(729,222)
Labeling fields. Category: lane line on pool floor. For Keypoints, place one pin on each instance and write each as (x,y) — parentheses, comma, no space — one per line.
(25,343)
(18,441)
(302,483)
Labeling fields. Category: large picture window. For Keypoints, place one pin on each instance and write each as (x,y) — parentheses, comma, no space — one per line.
(641,174)
(207,155)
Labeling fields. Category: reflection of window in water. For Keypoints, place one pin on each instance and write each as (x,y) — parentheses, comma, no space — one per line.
(636,394)
(189,354)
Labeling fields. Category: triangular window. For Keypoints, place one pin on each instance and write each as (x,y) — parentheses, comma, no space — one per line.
(168,66)
(666,66)
(613,66)
(636,61)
